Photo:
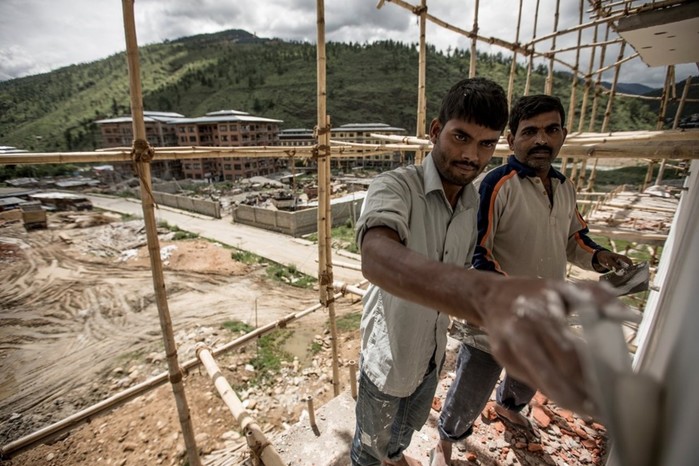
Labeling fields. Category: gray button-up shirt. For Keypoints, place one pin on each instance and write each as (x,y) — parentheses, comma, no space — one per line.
(400,338)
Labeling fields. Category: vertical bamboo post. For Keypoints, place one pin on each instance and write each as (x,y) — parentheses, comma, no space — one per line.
(474,40)
(139,131)
(422,70)
(574,85)
(353,378)
(675,122)
(513,67)
(669,81)
(549,76)
(311,411)
(612,92)
(588,83)
(598,85)
(530,64)
(325,272)
(593,176)
(683,100)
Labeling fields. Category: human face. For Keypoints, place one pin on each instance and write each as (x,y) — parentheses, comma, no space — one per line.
(461,150)
(538,141)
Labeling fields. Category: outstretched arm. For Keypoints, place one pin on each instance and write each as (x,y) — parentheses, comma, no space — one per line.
(524,317)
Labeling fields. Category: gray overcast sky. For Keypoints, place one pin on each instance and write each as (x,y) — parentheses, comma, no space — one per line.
(37,36)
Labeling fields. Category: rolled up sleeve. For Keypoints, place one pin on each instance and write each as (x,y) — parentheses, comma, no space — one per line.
(387,204)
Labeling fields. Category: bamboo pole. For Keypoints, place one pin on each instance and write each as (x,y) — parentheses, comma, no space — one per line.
(353,378)
(615,81)
(530,63)
(474,40)
(598,84)
(675,123)
(588,84)
(139,131)
(420,131)
(325,272)
(549,77)
(683,99)
(260,447)
(513,66)
(573,85)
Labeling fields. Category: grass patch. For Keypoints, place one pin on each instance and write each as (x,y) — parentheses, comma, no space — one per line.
(179,234)
(236,326)
(290,275)
(343,236)
(315,348)
(269,354)
(246,257)
(348,322)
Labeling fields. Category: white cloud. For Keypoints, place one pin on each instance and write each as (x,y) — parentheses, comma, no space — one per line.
(40,35)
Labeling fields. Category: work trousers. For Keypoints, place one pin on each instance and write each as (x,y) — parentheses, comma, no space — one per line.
(476,375)
(385,423)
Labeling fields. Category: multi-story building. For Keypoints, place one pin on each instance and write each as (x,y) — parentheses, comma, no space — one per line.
(160,132)
(296,137)
(227,128)
(362,133)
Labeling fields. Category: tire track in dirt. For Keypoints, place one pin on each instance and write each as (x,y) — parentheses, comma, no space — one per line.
(67,318)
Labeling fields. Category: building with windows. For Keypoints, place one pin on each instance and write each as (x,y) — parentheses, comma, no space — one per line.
(160,132)
(296,137)
(227,128)
(362,133)
(224,128)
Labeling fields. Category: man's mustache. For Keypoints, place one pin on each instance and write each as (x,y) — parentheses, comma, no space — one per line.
(539,149)
(469,164)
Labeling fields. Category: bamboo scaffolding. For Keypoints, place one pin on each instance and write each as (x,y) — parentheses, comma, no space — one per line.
(260,447)
(147,203)
(588,84)
(573,86)
(325,270)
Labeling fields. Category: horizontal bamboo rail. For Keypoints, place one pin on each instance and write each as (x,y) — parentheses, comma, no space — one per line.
(261,448)
(678,144)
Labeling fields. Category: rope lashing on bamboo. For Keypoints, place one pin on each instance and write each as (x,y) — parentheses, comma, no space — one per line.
(319,151)
(324,280)
(142,152)
(318,148)
(418,10)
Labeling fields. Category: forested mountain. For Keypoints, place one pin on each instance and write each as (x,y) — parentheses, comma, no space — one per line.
(266,77)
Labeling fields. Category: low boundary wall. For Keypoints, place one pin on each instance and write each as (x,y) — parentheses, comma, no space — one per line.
(298,223)
(199,206)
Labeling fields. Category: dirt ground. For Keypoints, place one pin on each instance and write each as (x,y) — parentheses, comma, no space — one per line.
(78,323)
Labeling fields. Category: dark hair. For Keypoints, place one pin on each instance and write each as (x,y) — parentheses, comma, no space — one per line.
(478,100)
(531,105)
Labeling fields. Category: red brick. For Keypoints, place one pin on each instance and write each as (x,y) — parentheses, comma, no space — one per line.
(470,456)
(437,403)
(589,444)
(535,447)
(520,445)
(540,416)
(540,398)
(581,432)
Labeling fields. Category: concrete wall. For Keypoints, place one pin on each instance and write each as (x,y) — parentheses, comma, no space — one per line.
(296,223)
(200,206)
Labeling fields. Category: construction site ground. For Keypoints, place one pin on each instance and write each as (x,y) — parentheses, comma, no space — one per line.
(79,324)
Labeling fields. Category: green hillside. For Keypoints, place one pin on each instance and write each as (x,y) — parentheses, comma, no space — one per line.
(266,77)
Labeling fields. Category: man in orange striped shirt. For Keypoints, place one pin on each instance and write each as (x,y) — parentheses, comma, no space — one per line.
(528,225)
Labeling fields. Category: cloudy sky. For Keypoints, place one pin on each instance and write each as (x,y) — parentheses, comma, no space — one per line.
(37,36)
